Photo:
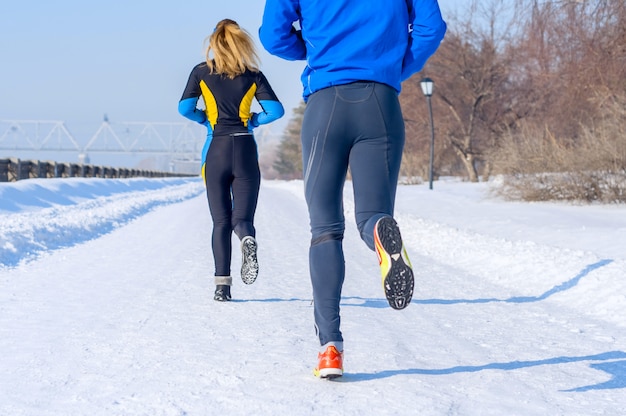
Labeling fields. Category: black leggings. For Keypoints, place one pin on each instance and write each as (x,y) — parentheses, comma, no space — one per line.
(357,126)
(232,179)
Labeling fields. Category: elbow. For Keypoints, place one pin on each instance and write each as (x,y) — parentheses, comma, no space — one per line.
(280,111)
(183,109)
(441,32)
(187,107)
(285,46)
(272,110)
(268,41)
(275,110)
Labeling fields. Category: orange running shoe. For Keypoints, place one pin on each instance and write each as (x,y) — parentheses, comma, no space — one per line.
(395,267)
(330,363)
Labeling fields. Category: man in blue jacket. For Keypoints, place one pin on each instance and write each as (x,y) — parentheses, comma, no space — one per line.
(357,54)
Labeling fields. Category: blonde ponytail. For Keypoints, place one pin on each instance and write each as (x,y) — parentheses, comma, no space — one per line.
(233,50)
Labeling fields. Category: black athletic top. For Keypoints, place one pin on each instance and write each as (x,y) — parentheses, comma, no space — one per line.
(227,101)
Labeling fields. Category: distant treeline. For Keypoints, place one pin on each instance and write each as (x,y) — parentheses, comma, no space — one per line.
(13,169)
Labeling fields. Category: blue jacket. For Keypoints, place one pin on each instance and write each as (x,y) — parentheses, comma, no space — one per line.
(344,41)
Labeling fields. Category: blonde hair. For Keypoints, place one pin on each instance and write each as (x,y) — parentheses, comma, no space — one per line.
(233,50)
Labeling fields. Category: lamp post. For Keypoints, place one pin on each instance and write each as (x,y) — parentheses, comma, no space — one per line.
(427,85)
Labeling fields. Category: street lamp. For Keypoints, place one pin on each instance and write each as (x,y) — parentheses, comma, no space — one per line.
(427,88)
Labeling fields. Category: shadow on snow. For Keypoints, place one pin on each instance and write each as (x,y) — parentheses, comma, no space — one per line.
(616,368)
(381,303)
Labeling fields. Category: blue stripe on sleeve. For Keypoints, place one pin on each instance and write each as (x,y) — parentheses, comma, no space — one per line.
(272,110)
(187,108)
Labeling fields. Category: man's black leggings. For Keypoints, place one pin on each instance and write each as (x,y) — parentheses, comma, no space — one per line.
(357,126)
(232,179)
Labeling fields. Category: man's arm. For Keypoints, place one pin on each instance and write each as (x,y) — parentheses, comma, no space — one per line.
(277,33)
(427,31)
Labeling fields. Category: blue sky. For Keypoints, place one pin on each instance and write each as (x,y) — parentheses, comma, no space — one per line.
(75,61)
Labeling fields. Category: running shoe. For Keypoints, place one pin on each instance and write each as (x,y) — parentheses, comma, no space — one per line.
(249,262)
(330,363)
(222,293)
(395,266)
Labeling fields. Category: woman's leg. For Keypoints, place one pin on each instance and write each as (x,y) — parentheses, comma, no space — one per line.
(218,177)
(245,185)
(245,188)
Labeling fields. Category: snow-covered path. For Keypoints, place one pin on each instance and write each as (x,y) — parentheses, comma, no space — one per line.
(519,310)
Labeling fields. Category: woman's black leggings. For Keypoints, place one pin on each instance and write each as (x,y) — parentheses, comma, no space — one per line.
(232,179)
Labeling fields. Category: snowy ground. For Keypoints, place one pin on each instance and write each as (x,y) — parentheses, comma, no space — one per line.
(106,307)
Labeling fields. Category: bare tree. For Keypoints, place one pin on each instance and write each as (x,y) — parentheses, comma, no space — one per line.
(569,58)
(471,71)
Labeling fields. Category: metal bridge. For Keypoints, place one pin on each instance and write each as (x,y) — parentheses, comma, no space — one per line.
(179,142)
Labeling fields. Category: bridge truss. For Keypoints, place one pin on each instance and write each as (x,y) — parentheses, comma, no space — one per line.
(179,142)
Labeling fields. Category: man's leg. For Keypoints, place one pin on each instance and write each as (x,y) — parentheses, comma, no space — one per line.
(375,159)
(325,159)
(375,166)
